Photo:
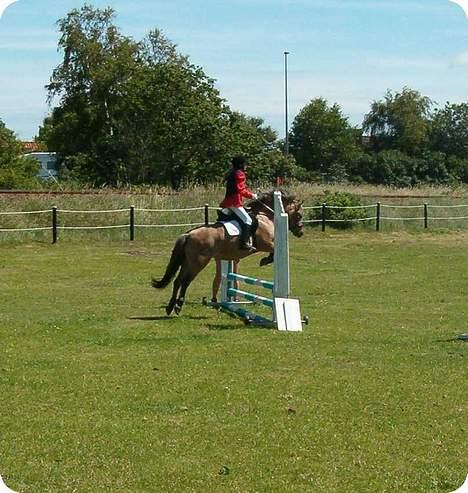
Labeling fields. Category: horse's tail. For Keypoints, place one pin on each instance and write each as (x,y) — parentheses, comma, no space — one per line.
(176,260)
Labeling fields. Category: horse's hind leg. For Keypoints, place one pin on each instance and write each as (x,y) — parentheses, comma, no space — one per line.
(175,290)
(184,284)
(187,275)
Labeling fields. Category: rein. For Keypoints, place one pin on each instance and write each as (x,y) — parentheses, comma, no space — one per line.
(264,205)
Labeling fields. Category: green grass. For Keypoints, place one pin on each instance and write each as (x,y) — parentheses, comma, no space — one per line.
(100,392)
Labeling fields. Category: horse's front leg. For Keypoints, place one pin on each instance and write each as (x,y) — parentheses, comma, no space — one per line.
(266,240)
(269,247)
(267,260)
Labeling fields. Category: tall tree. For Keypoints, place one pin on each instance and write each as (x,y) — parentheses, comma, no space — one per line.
(132,112)
(401,121)
(251,137)
(450,130)
(88,85)
(322,140)
(16,170)
(174,112)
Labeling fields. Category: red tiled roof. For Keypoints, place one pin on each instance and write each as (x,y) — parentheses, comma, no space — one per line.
(31,146)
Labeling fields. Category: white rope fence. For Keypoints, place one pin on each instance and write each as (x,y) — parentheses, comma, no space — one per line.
(131,225)
(23,212)
(381,214)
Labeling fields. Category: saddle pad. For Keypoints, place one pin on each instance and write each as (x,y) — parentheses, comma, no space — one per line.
(232,227)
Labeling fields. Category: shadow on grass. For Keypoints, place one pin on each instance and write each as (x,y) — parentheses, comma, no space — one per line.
(460,338)
(165,317)
(233,326)
(237,326)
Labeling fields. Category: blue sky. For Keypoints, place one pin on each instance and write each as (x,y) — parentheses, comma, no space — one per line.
(348,51)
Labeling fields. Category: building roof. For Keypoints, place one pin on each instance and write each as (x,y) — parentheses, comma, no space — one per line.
(32,146)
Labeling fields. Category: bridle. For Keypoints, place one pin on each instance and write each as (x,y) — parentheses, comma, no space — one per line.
(296,227)
(264,205)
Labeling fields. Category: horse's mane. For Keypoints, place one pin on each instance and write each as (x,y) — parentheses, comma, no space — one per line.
(266,198)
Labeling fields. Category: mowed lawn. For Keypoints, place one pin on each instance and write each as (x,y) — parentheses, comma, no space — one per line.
(101,393)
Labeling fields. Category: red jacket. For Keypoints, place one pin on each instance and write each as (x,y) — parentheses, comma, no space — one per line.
(236,189)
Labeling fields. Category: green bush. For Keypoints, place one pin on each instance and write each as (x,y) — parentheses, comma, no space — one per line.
(336,210)
(16,170)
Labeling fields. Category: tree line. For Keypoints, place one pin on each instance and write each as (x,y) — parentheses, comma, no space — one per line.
(139,112)
(404,141)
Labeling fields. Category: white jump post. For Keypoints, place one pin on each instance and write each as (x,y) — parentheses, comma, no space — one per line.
(285,310)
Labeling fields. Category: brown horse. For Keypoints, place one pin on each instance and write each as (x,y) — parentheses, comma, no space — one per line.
(193,250)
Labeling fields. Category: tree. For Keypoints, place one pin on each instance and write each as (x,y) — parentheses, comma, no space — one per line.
(174,115)
(398,169)
(16,170)
(394,168)
(88,85)
(321,140)
(400,121)
(450,130)
(140,112)
(457,168)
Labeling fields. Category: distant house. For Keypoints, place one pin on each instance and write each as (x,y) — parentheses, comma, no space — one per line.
(32,146)
(48,162)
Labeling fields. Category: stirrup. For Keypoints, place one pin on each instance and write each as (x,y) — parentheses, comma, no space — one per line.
(246,246)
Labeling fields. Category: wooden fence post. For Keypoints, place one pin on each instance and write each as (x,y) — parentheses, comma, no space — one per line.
(132,222)
(54,224)
(426,216)
(377,218)
(324,221)
(207,215)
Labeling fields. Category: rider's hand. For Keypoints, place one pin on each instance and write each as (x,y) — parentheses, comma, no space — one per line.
(255,196)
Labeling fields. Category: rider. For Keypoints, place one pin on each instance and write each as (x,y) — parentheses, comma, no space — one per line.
(236,191)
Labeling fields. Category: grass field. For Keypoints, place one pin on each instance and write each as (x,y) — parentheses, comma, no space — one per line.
(101,393)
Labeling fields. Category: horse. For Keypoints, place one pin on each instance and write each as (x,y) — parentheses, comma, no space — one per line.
(193,250)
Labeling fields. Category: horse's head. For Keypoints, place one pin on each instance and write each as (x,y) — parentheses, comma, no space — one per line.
(292,207)
(295,214)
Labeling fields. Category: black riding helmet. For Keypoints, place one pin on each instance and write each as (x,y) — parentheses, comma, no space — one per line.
(239,162)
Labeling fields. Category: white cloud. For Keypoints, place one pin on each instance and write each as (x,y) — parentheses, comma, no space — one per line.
(34,39)
(405,5)
(460,60)
(396,62)
(28,45)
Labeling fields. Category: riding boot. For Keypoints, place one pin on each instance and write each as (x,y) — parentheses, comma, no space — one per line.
(245,239)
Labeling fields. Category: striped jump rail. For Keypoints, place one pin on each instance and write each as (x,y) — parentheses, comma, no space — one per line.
(248,316)
(251,280)
(251,297)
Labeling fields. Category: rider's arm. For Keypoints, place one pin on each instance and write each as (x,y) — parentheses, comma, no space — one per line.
(241,185)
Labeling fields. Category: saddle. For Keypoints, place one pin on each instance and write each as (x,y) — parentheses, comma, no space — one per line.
(226,218)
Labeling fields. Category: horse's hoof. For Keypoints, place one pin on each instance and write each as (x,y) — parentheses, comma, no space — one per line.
(168,309)
(178,306)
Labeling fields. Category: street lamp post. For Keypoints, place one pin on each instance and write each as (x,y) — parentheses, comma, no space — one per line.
(286,130)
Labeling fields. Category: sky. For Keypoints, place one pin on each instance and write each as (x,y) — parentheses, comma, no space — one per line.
(348,51)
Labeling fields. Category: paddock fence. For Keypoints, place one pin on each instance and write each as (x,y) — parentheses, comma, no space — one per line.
(422,215)
(131,219)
